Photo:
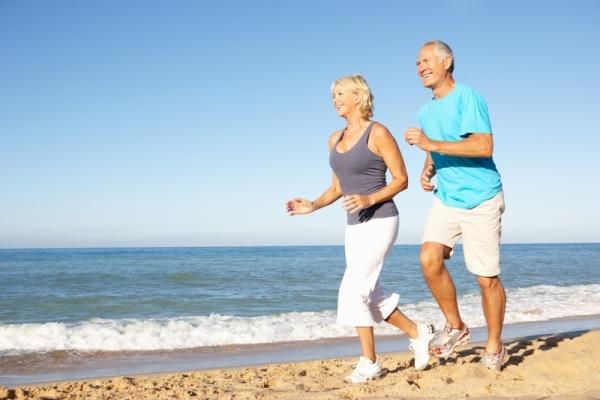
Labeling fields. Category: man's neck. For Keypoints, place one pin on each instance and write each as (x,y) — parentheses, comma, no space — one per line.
(444,88)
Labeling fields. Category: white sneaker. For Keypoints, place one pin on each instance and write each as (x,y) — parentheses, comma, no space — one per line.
(448,339)
(494,360)
(420,345)
(365,370)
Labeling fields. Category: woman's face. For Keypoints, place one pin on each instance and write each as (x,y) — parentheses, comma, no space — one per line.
(344,100)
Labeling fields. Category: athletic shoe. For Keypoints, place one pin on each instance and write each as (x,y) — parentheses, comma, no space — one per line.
(365,370)
(494,360)
(420,345)
(445,341)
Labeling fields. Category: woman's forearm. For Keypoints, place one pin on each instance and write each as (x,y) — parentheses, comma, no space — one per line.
(328,197)
(388,192)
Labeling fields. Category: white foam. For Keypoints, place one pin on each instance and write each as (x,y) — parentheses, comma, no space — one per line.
(536,303)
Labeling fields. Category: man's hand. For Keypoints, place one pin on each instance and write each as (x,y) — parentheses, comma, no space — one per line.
(428,173)
(417,137)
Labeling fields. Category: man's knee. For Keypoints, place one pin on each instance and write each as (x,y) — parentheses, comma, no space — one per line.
(488,283)
(432,258)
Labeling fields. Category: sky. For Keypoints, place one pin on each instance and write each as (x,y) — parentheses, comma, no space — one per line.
(190,123)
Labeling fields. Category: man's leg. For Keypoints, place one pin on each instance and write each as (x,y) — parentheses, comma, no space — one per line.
(482,228)
(493,300)
(439,280)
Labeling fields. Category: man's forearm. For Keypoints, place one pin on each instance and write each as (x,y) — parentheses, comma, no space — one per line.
(479,145)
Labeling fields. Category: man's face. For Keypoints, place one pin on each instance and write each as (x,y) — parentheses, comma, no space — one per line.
(430,68)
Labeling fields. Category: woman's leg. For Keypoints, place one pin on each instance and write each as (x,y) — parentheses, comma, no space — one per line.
(362,301)
(367,342)
(402,322)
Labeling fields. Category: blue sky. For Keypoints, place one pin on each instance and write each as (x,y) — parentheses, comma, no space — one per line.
(190,123)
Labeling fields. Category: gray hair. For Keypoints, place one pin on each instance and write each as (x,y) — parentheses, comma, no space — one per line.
(442,50)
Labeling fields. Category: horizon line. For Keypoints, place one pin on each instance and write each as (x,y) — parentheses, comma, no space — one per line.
(253,245)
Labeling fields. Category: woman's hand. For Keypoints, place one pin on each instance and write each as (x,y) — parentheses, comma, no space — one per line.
(299,206)
(353,203)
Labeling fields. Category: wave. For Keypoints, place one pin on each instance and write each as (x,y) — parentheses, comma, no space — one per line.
(537,303)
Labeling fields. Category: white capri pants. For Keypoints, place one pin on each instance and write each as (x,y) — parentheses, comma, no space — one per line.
(361,300)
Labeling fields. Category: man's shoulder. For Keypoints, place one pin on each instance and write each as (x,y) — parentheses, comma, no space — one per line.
(467,91)
(460,87)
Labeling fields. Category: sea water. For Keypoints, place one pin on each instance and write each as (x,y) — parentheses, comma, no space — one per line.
(144,299)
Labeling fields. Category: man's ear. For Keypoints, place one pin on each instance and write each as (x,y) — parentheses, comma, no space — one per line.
(447,63)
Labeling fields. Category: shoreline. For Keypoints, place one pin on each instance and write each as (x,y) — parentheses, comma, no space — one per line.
(552,366)
(86,366)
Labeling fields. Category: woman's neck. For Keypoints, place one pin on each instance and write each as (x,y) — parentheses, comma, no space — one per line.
(356,123)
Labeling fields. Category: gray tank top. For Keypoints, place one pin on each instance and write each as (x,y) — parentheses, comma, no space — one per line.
(360,171)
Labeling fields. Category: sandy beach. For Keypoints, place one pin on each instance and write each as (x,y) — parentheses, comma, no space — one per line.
(561,366)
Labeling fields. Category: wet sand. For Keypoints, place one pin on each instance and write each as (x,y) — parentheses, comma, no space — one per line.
(560,366)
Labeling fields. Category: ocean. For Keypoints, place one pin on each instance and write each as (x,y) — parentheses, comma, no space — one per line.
(78,301)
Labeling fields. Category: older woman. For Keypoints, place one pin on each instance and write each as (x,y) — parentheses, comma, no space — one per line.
(360,155)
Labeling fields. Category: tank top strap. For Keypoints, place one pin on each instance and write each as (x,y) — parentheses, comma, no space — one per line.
(339,139)
(365,136)
(364,139)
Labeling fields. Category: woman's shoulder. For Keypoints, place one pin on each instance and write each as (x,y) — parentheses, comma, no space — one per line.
(335,137)
(336,134)
(379,130)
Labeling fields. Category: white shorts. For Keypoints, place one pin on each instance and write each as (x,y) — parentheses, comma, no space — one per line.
(361,300)
(480,228)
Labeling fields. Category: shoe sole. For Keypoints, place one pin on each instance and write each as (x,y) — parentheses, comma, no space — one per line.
(380,376)
(460,342)
(423,367)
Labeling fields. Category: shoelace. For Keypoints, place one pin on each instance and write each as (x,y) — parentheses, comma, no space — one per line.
(492,357)
(448,330)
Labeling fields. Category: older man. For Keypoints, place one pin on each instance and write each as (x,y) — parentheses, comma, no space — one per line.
(457,137)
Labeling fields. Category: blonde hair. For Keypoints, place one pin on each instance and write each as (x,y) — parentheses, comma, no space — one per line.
(357,84)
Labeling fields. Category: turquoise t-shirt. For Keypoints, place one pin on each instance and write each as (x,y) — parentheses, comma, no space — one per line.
(462,182)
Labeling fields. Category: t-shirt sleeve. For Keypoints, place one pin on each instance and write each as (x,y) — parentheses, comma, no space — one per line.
(475,117)
(421,117)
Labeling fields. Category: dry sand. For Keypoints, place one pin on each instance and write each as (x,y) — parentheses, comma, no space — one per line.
(563,366)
